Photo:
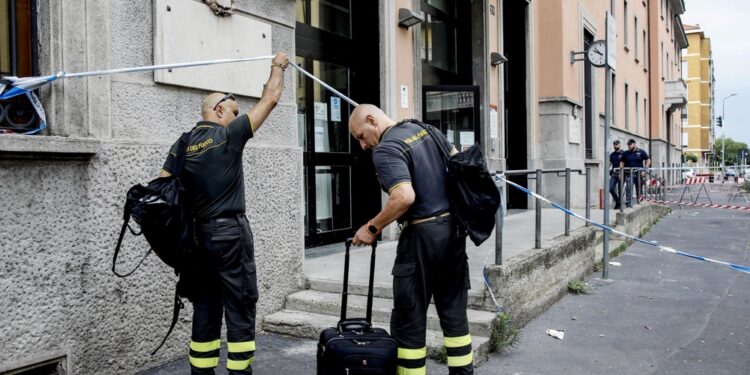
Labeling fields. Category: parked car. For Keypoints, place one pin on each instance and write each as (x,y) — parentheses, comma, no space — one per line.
(730,172)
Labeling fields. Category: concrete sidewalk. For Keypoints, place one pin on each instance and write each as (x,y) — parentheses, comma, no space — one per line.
(518,238)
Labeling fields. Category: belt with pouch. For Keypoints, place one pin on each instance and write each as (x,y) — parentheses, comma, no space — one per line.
(426,219)
(221,219)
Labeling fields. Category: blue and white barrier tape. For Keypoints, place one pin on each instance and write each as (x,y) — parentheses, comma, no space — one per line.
(486,278)
(733,266)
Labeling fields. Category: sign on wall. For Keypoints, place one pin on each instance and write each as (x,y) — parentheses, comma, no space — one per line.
(611,41)
(189,31)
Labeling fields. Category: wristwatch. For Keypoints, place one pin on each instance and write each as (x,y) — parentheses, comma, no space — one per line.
(374,231)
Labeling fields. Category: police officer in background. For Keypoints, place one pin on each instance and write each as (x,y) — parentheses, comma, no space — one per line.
(633,157)
(614,176)
(431,257)
(224,280)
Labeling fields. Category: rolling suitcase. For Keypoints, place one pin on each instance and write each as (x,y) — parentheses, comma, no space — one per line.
(355,347)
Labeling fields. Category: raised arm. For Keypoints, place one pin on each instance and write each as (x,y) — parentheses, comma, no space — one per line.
(271,92)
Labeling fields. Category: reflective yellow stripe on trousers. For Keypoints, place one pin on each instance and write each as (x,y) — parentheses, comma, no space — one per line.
(412,355)
(239,347)
(239,365)
(411,371)
(462,344)
(204,348)
(244,349)
(204,362)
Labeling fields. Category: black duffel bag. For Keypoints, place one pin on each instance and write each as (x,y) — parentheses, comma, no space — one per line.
(165,220)
(473,194)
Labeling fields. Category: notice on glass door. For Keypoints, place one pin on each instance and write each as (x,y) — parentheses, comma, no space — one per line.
(321,111)
(467,139)
(335,108)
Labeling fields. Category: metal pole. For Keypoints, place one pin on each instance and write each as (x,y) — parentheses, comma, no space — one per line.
(607,123)
(499,225)
(621,188)
(567,200)
(630,185)
(538,223)
(638,186)
(669,183)
(723,132)
(588,194)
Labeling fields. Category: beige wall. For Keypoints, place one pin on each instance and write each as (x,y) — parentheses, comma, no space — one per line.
(668,68)
(550,45)
(494,45)
(634,61)
(561,24)
(699,78)
(404,63)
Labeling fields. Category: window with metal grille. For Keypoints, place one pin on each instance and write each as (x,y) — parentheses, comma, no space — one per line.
(17,58)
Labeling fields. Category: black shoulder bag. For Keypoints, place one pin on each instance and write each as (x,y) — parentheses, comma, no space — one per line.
(473,194)
(166,222)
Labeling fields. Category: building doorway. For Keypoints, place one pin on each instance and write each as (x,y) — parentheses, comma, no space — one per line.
(515,96)
(449,100)
(333,42)
(455,111)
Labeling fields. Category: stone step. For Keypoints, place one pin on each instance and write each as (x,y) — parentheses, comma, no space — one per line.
(480,322)
(309,325)
(477,298)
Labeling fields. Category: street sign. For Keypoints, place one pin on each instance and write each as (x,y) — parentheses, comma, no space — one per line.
(611,41)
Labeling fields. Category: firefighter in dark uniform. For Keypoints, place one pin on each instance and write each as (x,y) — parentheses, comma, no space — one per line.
(633,157)
(614,174)
(224,280)
(431,257)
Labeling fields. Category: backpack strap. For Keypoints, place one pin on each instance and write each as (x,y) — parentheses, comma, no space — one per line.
(178,305)
(125,226)
(435,135)
(181,151)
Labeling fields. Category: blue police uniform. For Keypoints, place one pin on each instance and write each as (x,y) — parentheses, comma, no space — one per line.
(614,178)
(633,159)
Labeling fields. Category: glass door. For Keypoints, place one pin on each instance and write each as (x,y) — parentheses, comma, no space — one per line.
(339,189)
(323,130)
(455,111)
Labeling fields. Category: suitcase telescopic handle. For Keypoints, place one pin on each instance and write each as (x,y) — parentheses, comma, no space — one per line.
(345,290)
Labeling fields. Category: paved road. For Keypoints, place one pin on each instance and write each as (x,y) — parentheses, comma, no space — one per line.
(659,313)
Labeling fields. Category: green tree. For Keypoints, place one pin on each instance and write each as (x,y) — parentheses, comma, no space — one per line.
(731,147)
(691,157)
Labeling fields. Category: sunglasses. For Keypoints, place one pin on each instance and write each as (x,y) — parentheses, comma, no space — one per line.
(225,98)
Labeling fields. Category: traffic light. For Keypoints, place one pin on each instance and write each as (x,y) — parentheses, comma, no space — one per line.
(719,121)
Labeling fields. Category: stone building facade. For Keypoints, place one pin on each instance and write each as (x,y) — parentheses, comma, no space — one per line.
(63,190)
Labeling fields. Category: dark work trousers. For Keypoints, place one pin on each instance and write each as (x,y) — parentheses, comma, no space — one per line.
(430,263)
(628,193)
(226,285)
(614,187)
